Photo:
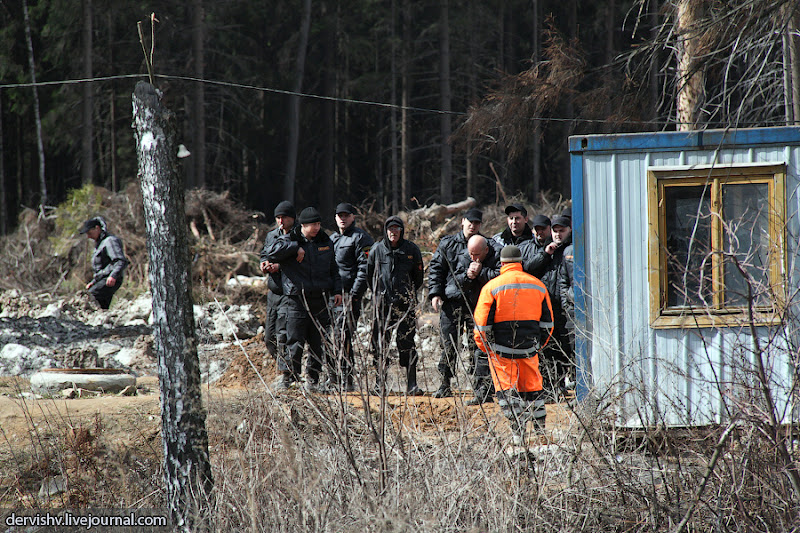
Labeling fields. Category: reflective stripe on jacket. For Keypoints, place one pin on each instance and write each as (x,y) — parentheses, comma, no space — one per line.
(513,311)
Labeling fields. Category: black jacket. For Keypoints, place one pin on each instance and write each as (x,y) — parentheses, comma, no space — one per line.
(551,276)
(472,287)
(535,261)
(566,281)
(274,282)
(395,273)
(352,251)
(317,273)
(441,281)
(505,237)
(108,259)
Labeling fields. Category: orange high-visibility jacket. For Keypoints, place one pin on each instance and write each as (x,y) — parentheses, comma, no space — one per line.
(512,311)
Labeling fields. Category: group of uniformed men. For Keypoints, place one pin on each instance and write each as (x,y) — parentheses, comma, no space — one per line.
(513,291)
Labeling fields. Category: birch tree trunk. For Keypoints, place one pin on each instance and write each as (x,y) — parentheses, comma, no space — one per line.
(36,114)
(294,105)
(691,79)
(187,471)
(87,135)
(446,188)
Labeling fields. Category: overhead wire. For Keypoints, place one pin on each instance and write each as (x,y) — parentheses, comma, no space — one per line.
(221,83)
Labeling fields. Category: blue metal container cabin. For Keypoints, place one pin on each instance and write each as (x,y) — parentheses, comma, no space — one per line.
(660,367)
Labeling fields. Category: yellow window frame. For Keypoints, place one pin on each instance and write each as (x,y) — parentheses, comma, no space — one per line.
(717,314)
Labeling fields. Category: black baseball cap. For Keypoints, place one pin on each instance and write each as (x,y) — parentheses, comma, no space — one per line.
(562,221)
(541,220)
(516,207)
(89,224)
(345,207)
(474,215)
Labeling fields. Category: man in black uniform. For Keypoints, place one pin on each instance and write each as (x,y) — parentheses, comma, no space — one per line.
(108,261)
(557,357)
(534,261)
(310,276)
(351,245)
(447,297)
(395,271)
(518,230)
(275,327)
(476,266)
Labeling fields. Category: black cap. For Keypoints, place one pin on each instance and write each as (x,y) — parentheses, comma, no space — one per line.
(285,209)
(510,254)
(540,220)
(89,224)
(309,215)
(516,207)
(567,212)
(562,221)
(394,221)
(474,215)
(345,207)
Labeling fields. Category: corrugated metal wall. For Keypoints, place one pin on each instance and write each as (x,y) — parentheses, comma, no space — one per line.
(671,376)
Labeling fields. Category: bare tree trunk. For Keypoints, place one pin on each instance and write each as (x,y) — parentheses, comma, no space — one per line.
(112,111)
(294,105)
(655,68)
(404,98)
(36,114)
(187,470)
(446,189)
(794,60)
(3,200)
(536,159)
(326,201)
(87,139)
(393,117)
(691,78)
(199,103)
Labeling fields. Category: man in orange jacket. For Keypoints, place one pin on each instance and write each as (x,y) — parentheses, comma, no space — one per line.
(512,318)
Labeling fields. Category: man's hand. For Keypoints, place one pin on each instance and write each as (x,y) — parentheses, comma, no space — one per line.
(474,269)
(268,268)
(436,302)
(337,300)
(110,282)
(551,248)
(89,285)
(301,253)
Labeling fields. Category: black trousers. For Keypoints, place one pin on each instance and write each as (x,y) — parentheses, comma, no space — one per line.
(345,323)
(404,318)
(275,326)
(557,359)
(103,293)
(307,321)
(453,316)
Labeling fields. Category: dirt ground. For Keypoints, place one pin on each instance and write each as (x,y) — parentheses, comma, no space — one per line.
(112,433)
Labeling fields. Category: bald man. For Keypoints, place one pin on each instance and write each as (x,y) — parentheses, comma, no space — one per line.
(479,264)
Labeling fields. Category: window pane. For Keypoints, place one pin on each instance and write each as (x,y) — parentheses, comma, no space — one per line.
(688,243)
(745,209)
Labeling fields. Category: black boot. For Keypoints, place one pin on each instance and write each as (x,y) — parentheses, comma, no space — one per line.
(411,381)
(444,390)
(483,394)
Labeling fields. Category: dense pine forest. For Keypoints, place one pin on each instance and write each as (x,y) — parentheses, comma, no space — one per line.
(389,105)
